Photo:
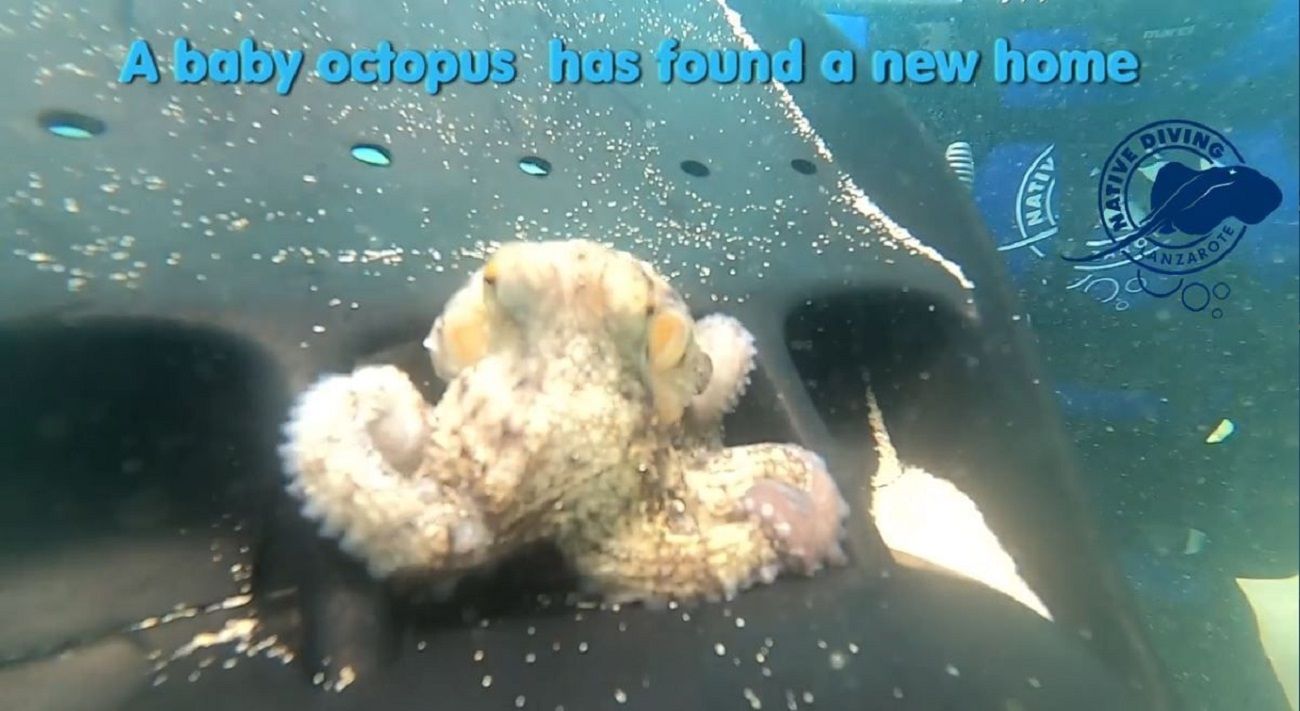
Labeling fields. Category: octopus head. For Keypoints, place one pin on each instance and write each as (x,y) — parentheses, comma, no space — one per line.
(529,294)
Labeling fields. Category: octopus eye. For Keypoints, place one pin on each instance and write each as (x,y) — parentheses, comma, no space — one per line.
(459,338)
(468,340)
(491,271)
(668,337)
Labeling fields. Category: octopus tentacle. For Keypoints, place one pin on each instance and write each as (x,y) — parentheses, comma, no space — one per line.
(652,560)
(805,524)
(730,347)
(787,492)
(352,453)
(747,515)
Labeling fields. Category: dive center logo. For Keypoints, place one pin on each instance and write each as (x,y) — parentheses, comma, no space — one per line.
(1037,220)
(1035,211)
(1175,198)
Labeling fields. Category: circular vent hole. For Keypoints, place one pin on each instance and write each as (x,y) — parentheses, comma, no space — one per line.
(372,154)
(803,166)
(694,167)
(532,165)
(70,124)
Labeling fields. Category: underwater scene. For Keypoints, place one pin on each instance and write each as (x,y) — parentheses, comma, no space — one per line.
(688,354)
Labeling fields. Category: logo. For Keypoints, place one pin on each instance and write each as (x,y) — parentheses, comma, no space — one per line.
(1175,198)
(1037,221)
(1035,209)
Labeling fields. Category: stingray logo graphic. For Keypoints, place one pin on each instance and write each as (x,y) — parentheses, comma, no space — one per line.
(1175,198)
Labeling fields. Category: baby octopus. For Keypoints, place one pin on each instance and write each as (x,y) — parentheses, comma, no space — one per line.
(583,407)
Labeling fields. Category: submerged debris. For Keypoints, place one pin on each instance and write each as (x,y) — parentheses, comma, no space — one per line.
(1222,431)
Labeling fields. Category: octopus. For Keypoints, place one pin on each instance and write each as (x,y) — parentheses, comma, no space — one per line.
(584,409)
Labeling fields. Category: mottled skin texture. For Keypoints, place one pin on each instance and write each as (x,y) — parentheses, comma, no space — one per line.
(583,406)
